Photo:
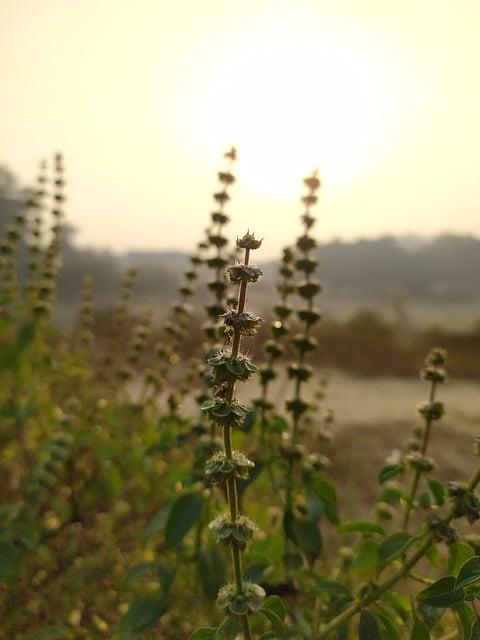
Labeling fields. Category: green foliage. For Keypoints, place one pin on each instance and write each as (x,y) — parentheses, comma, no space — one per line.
(125,515)
(141,617)
(182,515)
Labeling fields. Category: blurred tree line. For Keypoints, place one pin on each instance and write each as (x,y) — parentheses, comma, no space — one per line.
(445,268)
(156,282)
(392,270)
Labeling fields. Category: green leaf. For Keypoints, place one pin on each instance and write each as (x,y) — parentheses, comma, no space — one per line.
(362,526)
(229,629)
(390,471)
(419,631)
(308,537)
(392,495)
(138,570)
(389,621)
(323,487)
(438,491)
(433,555)
(275,604)
(399,603)
(469,573)
(424,501)
(392,628)
(315,506)
(441,593)
(141,617)
(211,571)
(184,513)
(278,425)
(368,626)
(288,521)
(158,522)
(274,611)
(367,556)
(466,618)
(255,572)
(249,421)
(304,533)
(330,587)
(166,575)
(392,546)
(459,553)
(203,633)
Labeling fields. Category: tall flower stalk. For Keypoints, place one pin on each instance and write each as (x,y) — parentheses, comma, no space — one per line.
(292,450)
(279,328)
(216,240)
(229,366)
(45,246)
(431,411)
(216,244)
(308,288)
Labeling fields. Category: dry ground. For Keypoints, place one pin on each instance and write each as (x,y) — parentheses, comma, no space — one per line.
(375,416)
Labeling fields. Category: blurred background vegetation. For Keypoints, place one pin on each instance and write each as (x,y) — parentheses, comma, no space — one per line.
(398,294)
(101,435)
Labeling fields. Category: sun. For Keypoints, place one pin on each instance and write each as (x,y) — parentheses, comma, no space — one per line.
(291,105)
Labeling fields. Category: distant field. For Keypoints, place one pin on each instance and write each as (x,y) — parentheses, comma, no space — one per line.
(364,400)
(452,316)
(373,417)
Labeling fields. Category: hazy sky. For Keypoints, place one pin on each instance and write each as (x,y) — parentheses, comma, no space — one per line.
(144,96)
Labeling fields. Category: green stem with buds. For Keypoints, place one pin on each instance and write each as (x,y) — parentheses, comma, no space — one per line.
(378,590)
(232,491)
(434,373)
(229,366)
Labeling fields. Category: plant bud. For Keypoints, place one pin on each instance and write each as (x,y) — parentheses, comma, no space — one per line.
(248,242)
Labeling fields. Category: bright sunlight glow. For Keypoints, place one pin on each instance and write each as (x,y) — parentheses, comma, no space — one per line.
(293,107)
(147,96)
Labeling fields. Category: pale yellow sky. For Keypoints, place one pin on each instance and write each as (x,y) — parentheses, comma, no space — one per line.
(143,97)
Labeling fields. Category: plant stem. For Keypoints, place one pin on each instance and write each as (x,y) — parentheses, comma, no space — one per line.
(418,472)
(357,606)
(232,492)
(375,594)
(304,264)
